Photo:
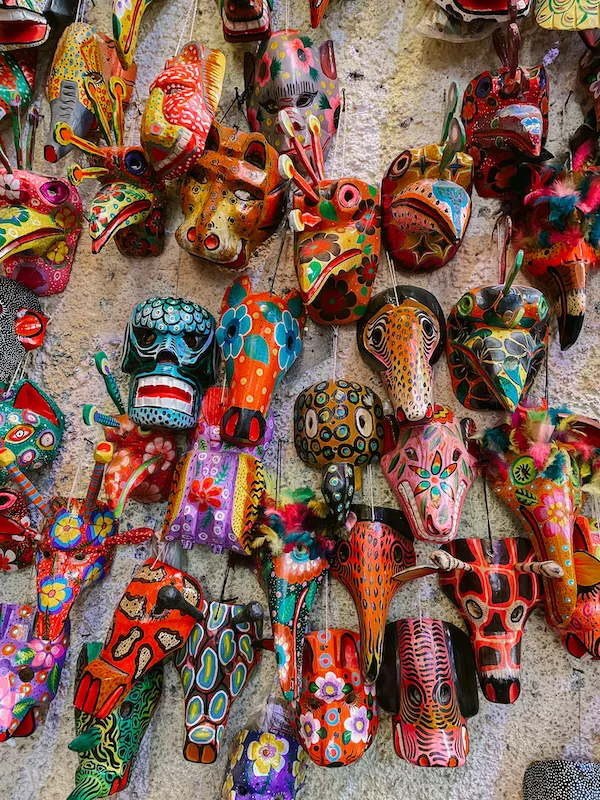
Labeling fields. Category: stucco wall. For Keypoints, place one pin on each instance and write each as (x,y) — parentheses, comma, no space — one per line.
(394,83)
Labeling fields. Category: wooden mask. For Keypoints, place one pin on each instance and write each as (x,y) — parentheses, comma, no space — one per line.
(260,337)
(246,20)
(401,335)
(430,470)
(108,747)
(232,198)
(214,665)
(338,427)
(18,79)
(572,15)
(380,545)
(336,715)
(289,72)
(429,685)
(26,23)
(22,326)
(561,780)
(181,108)
(126,20)
(496,10)
(16,534)
(154,618)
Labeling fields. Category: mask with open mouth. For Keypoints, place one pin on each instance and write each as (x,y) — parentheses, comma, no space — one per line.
(171,353)
(27,23)
(16,533)
(246,20)
(289,72)
(22,326)
(232,198)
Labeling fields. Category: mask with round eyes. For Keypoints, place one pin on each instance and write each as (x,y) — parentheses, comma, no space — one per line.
(401,335)
(246,20)
(181,109)
(26,23)
(338,426)
(497,340)
(171,353)
(336,714)
(290,72)
(22,326)
(379,546)
(428,684)
(30,670)
(16,533)
(571,780)
(232,198)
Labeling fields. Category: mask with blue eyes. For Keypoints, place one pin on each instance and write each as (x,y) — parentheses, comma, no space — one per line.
(171,354)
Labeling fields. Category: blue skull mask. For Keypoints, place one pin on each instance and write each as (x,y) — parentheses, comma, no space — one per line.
(170,352)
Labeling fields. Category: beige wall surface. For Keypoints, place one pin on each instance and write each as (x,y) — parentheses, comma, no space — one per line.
(394,82)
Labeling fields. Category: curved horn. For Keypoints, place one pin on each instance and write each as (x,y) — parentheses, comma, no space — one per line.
(447,563)
(549,569)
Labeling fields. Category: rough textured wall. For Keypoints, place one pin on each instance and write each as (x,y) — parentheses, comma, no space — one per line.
(394,83)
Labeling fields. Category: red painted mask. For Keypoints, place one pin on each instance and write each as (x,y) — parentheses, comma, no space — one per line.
(246,20)
(429,685)
(16,533)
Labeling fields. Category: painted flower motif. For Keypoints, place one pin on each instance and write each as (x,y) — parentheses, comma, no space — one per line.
(554,513)
(11,188)
(330,688)
(235,324)
(334,301)
(434,479)
(67,529)
(332,114)
(6,703)
(95,572)
(54,594)
(267,754)
(122,7)
(58,252)
(301,55)
(227,790)
(205,493)
(366,217)
(102,526)
(299,768)
(296,566)
(358,724)
(309,729)
(253,119)
(367,271)
(65,219)
(46,653)
(282,639)
(263,71)
(469,110)
(159,446)
(7,561)
(147,492)
(322,246)
(287,336)
(237,750)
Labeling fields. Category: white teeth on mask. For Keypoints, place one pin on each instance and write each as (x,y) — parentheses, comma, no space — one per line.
(237,27)
(172,403)
(175,152)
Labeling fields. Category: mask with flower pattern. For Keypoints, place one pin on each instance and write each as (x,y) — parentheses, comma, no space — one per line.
(26,23)
(22,327)
(260,337)
(30,670)
(290,73)
(336,714)
(538,463)
(16,534)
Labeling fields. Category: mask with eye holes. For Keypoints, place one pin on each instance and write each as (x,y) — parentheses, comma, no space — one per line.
(338,426)
(290,72)
(181,108)
(171,353)
(401,335)
(232,199)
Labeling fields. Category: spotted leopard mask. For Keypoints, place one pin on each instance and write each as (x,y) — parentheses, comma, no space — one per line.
(22,326)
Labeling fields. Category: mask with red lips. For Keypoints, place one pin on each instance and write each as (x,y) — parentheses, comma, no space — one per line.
(16,533)
(22,326)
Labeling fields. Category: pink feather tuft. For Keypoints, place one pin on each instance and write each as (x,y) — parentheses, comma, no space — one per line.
(583,154)
(561,189)
(592,198)
(539,453)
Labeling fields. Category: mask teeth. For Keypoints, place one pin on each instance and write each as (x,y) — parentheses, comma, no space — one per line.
(63,134)
(286,124)
(314,127)
(102,456)
(289,171)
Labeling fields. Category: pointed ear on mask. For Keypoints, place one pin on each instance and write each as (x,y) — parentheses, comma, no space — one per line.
(29,396)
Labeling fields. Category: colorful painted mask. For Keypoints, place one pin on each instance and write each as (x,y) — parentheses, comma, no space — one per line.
(401,335)
(337,239)
(497,340)
(216,496)
(290,73)
(31,426)
(338,426)
(232,198)
(170,352)
(30,670)
(431,469)
(134,446)
(427,198)
(428,683)
(214,665)
(260,337)
(40,225)
(108,748)
(291,566)
(126,19)
(246,20)
(505,113)
(22,326)
(130,204)
(380,544)
(154,618)
(474,10)
(82,63)
(26,23)
(336,715)
(537,462)
(17,79)
(181,109)
(16,533)
(573,15)
(266,760)
(554,780)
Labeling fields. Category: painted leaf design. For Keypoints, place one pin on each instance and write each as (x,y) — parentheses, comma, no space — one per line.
(236,295)
(54,679)
(24,656)
(405,437)
(255,347)
(327,210)
(346,736)
(437,463)
(285,612)
(21,707)
(394,462)
(587,568)
(270,311)
(526,498)
(322,733)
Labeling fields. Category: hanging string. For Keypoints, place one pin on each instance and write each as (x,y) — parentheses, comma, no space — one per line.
(547,378)
(229,561)
(277,472)
(223,387)
(287,15)
(392,272)
(184,27)
(344,134)
(336,333)
(371,492)
(327,601)
(487,514)
(341,124)
(281,246)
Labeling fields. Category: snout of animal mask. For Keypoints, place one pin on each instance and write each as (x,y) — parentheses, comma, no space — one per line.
(338,426)
(27,23)
(22,326)
(426,209)
(428,684)
(232,198)
(260,337)
(336,714)
(496,344)
(401,335)
(246,20)
(16,533)
(430,470)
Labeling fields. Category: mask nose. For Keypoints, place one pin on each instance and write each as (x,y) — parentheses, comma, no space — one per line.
(243,427)
(212,242)
(501,690)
